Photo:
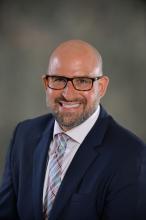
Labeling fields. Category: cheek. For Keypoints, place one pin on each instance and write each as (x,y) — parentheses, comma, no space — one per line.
(91,96)
(50,99)
(51,94)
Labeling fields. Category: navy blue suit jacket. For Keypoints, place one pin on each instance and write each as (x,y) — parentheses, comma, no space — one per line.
(106,180)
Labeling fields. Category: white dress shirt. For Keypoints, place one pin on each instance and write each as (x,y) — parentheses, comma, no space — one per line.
(77,135)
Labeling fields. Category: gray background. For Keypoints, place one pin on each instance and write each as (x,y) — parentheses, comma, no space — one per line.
(29,30)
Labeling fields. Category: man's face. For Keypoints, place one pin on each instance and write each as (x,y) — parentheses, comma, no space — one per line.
(70,106)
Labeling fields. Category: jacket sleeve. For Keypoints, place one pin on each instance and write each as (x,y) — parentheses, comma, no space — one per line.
(8,199)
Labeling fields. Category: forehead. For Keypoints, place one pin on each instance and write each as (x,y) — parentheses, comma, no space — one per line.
(73,62)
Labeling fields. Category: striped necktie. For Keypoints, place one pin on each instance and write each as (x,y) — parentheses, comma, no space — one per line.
(55,171)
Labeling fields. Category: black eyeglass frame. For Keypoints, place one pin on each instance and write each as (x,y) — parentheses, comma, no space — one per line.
(66,79)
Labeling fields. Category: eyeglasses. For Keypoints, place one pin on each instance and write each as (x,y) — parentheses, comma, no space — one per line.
(79,83)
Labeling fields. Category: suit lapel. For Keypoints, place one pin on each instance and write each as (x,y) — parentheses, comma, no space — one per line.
(85,155)
(39,169)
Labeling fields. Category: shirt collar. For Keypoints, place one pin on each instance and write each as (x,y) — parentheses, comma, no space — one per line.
(79,132)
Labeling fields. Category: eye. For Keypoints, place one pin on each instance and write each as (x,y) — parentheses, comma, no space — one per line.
(58,79)
(83,80)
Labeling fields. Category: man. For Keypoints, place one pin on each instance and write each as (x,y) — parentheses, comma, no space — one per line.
(76,163)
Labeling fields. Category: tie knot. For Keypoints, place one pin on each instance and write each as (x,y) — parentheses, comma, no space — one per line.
(61,140)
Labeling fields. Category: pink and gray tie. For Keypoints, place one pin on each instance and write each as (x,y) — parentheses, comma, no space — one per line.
(55,171)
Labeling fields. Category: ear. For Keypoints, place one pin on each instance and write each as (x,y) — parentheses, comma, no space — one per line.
(102,85)
(44,81)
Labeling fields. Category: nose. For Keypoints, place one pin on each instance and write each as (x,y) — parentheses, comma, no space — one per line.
(69,91)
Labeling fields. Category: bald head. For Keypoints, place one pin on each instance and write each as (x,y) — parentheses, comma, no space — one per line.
(76,56)
(73,88)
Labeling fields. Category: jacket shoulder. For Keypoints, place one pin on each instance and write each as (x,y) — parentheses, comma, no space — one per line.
(34,125)
(123,136)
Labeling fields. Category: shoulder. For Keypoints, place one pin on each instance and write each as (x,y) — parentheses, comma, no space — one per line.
(122,132)
(37,121)
(116,133)
(28,133)
(123,140)
(34,125)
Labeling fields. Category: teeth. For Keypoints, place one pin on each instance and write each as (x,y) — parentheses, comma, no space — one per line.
(70,105)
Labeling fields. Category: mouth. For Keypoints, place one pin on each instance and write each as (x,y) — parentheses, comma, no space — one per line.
(69,105)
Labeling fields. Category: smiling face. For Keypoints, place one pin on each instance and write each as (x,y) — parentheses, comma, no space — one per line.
(70,106)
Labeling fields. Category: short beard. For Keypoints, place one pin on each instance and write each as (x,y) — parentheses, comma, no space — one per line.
(66,121)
